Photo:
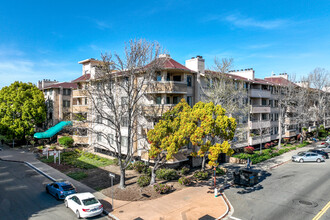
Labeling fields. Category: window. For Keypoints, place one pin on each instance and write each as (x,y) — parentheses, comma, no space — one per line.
(271,117)
(189,100)
(168,100)
(98,86)
(271,103)
(189,80)
(66,103)
(111,138)
(159,77)
(177,78)
(124,141)
(124,121)
(276,103)
(66,92)
(246,86)
(99,137)
(158,99)
(168,77)
(66,116)
(264,102)
(86,102)
(124,100)
(50,92)
(175,99)
(264,116)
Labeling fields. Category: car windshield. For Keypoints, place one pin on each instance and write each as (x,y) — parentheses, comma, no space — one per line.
(67,187)
(301,153)
(90,201)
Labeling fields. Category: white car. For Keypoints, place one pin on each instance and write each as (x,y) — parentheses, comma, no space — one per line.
(84,205)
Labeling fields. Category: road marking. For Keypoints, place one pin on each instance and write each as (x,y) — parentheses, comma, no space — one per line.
(319,215)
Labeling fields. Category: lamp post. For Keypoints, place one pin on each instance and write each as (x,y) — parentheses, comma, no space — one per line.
(112,176)
(14,131)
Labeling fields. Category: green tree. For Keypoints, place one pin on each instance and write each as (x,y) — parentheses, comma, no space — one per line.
(22,107)
(214,130)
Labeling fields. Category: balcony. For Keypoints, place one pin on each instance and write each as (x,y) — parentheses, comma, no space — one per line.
(157,110)
(258,139)
(260,109)
(291,133)
(259,124)
(257,93)
(79,93)
(169,87)
(79,108)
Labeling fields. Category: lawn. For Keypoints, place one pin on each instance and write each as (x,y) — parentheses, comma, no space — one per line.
(80,159)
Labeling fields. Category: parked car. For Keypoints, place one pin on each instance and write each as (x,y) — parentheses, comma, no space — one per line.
(84,205)
(320,152)
(323,147)
(60,189)
(308,156)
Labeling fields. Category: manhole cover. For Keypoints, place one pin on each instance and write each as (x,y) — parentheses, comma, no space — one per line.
(305,202)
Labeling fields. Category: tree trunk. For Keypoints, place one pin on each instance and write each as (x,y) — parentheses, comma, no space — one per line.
(122,177)
(203,162)
(153,176)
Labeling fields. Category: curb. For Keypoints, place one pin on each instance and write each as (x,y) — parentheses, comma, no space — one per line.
(277,165)
(52,179)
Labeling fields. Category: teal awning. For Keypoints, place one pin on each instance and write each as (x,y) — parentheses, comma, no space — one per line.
(53,130)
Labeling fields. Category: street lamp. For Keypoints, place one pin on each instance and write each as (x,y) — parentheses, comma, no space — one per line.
(112,176)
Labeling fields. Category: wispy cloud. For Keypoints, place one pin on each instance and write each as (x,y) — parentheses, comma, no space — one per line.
(241,21)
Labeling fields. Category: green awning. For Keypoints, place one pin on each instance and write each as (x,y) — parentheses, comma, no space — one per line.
(53,130)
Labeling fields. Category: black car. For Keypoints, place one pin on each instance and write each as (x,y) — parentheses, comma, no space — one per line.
(320,152)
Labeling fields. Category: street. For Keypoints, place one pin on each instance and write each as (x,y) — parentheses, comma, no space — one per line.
(291,191)
(23,195)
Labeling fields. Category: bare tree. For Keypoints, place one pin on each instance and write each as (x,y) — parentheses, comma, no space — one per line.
(318,82)
(229,92)
(117,95)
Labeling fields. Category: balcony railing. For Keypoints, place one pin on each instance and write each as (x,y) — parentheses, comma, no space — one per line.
(291,133)
(257,93)
(79,93)
(168,87)
(258,139)
(260,109)
(157,110)
(259,124)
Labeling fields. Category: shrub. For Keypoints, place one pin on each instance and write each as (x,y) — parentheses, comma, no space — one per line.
(147,170)
(166,174)
(267,145)
(139,166)
(201,175)
(143,180)
(162,188)
(184,181)
(40,147)
(281,151)
(293,148)
(267,151)
(184,170)
(249,150)
(219,171)
(66,141)
(272,144)
(286,140)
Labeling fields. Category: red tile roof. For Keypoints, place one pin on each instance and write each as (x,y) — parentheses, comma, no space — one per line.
(172,64)
(279,81)
(65,85)
(82,78)
(227,74)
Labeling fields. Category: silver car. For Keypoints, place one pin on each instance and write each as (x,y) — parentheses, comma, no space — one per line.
(307,156)
(323,147)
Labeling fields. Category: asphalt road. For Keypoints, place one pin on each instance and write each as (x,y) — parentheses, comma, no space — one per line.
(291,191)
(23,195)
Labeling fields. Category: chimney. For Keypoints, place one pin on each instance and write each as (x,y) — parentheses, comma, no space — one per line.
(196,64)
(164,56)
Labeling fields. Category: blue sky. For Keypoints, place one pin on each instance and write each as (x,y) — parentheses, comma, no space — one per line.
(46,39)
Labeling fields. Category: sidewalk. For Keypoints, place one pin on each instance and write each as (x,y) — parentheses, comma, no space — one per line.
(190,203)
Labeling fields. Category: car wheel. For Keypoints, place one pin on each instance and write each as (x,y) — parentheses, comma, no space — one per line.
(56,196)
(66,204)
(78,214)
(301,160)
(318,160)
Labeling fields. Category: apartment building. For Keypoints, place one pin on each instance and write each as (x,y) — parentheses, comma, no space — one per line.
(58,96)
(176,81)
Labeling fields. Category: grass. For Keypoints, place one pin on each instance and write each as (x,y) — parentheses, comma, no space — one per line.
(77,175)
(80,159)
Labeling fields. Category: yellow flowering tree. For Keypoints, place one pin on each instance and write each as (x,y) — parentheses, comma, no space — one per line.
(169,135)
(213,132)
